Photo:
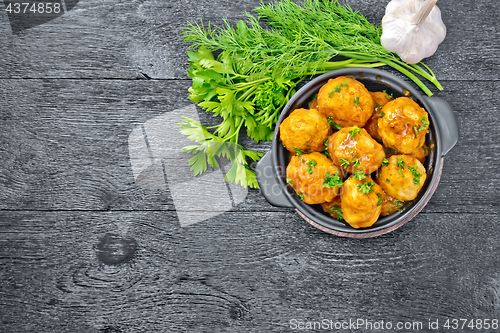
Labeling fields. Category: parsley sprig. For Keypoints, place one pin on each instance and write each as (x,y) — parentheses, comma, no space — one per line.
(310,165)
(338,88)
(211,147)
(416,175)
(333,123)
(366,187)
(353,132)
(333,180)
(401,165)
(359,175)
(338,211)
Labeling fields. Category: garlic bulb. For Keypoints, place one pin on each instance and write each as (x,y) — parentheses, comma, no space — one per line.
(413,29)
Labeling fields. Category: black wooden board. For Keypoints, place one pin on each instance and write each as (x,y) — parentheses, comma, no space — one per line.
(84,249)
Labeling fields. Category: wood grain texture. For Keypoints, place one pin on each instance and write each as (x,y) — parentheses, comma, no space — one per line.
(208,278)
(84,249)
(113,39)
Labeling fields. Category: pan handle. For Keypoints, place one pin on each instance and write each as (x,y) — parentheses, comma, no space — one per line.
(270,188)
(447,123)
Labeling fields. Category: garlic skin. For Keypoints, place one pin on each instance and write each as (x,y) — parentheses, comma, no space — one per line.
(412,29)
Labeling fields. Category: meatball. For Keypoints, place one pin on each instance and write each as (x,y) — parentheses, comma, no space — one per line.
(333,208)
(305,130)
(352,148)
(379,99)
(361,201)
(403,125)
(314,178)
(346,100)
(390,205)
(403,177)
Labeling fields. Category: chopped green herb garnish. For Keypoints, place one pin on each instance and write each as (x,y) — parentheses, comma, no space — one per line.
(345,163)
(388,180)
(378,106)
(366,187)
(337,210)
(353,132)
(399,204)
(416,175)
(389,96)
(416,130)
(325,151)
(310,165)
(299,151)
(359,175)
(385,162)
(337,88)
(424,126)
(332,180)
(380,199)
(356,163)
(349,149)
(301,196)
(381,114)
(356,100)
(401,165)
(332,123)
(288,180)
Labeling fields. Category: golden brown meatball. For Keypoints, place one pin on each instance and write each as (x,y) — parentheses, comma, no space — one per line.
(346,100)
(352,148)
(403,125)
(314,178)
(403,177)
(390,205)
(305,130)
(379,99)
(361,201)
(333,208)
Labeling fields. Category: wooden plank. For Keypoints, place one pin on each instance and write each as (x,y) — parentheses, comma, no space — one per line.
(111,39)
(245,272)
(65,146)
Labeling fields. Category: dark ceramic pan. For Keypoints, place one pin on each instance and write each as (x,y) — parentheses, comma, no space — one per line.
(442,136)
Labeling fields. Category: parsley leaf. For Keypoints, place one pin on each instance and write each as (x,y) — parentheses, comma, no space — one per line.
(211,147)
(356,163)
(338,88)
(359,175)
(344,163)
(380,199)
(366,187)
(356,100)
(299,151)
(332,123)
(381,114)
(389,96)
(332,180)
(353,132)
(310,165)
(385,162)
(288,180)
(325,151)
(338,211)
(401,165)
(416,175)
